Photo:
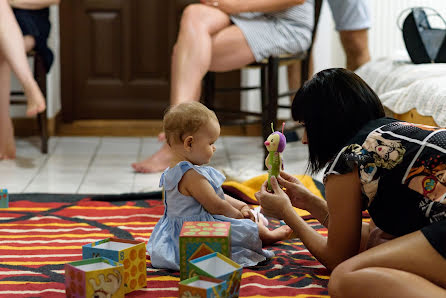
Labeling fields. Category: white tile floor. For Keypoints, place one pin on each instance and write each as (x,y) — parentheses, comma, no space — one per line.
(92,165)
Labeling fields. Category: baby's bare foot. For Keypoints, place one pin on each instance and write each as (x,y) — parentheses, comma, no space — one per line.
(156,163)
(269,237)
(36,101)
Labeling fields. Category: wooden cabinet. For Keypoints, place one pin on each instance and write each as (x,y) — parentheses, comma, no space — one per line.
(115,58)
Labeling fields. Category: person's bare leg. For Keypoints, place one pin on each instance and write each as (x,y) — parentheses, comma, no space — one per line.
(192,52)
(269,237)
(13,49)
(404,267)
(202,45)
(356,47)
(7,145)
(294,77)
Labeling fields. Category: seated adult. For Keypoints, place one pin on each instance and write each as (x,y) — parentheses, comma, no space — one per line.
(225,35)
(23,27)
(352,21)
(396,170)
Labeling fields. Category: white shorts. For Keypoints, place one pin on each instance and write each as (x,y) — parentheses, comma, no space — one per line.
(350,14)
(275,33)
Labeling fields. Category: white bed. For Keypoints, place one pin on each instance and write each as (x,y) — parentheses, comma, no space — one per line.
(412,92)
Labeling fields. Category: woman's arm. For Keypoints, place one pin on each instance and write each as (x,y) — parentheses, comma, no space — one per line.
(344,222)
(238,6)
(195,185)
(32,4)
(301,197)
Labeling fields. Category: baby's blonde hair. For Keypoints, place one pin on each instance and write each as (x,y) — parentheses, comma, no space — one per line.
(185,118)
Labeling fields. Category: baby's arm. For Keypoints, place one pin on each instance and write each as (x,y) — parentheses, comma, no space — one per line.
(239,205)
(195,185)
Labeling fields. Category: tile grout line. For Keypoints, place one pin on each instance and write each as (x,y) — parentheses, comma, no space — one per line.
(141,145)
(89,164)
(227,152)
(47,157)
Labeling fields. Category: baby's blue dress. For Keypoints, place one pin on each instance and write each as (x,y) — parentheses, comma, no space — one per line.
(163,245)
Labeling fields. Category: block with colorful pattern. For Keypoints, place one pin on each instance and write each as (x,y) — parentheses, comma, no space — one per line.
(202,287)
(218,266)
(199,238)
(130,253)
(4,198)
(96,277)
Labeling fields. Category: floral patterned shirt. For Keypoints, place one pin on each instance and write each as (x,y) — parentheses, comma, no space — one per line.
(402,169)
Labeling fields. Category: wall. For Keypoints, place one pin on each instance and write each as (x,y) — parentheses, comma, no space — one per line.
(384,39)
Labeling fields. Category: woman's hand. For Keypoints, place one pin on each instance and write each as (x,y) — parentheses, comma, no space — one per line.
(227,6)
(296,191)
(273,204)
(246,212)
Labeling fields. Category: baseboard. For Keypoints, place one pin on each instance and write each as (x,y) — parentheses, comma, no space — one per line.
(129,128)
(137,128)
(25,127)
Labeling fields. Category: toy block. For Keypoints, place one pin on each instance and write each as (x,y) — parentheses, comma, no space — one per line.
(130,253)
(218,266)
(202,287)
(97,277)
(200,238)
(4,198)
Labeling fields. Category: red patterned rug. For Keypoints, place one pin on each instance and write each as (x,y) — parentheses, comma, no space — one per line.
(40,233)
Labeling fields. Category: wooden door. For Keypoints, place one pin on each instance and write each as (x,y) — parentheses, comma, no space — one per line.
(116,57)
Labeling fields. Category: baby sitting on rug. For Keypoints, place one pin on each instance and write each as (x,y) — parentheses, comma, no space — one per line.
(193,193)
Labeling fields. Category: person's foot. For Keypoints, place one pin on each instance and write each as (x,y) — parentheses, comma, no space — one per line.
(269,237)
(156,163)
(36,101)
(7,144)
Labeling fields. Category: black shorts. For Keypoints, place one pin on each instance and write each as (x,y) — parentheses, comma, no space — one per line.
(436,235)
(37,24)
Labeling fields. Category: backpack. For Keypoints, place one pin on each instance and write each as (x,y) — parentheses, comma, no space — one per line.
(423,43)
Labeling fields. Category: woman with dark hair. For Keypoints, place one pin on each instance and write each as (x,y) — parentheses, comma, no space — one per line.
(393,169)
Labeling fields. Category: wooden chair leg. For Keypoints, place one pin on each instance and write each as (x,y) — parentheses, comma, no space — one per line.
(305,70)
(40,77)
(270,95)
(273,90)
(264,97)
(209,90)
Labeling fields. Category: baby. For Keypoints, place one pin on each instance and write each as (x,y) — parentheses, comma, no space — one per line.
(193,193)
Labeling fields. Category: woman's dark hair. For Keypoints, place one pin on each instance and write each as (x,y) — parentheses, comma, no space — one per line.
(333,106)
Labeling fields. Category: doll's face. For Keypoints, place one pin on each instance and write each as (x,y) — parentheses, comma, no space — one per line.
(272,143)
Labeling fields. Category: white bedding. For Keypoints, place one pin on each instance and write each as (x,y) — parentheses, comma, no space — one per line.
(403,86)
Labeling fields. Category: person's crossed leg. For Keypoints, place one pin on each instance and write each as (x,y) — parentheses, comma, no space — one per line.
(13,48)
(206,41)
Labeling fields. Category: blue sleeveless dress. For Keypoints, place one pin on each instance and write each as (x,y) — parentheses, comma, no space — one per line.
(163,245)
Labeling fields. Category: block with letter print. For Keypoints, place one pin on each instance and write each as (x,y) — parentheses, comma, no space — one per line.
(130,253)
(199,238)
(218,266)
(96,277)
(202,287)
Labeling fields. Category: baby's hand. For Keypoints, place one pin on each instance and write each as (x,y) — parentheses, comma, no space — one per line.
(246,212)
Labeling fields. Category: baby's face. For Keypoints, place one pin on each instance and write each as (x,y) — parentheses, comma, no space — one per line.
(203,144)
